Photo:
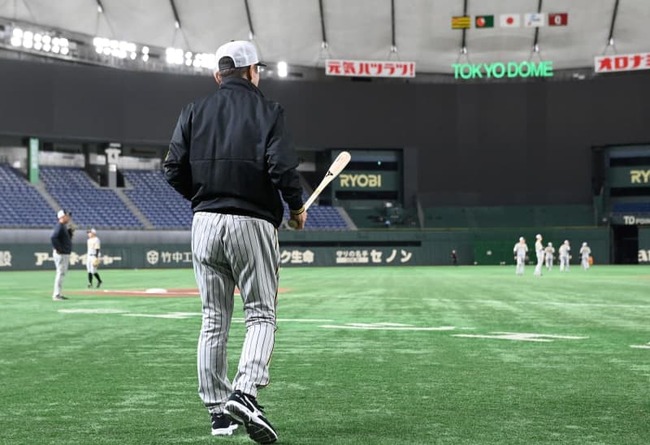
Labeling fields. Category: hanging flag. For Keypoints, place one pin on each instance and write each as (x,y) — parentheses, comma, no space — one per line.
(484,21)
(558,19)
(510,20)
(461,22)
(534,20)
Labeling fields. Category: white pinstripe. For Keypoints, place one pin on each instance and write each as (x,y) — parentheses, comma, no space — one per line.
(231,250)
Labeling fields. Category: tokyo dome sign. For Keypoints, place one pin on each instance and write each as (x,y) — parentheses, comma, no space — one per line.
(499,70)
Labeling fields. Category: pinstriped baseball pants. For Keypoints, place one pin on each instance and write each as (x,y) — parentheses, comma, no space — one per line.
(229,251)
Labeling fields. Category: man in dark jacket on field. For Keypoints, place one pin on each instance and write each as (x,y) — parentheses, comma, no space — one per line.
(230,155)
(62,247)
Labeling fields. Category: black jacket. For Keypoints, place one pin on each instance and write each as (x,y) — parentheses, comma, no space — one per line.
(230,153)
(62,239)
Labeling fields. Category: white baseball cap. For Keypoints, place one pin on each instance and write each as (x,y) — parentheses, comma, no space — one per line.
(61,213)
(92,231)
(237,54)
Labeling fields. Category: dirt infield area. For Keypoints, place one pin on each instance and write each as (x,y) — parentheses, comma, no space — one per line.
(147,293)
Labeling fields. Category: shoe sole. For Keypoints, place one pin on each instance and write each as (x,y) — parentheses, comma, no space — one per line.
(257,428)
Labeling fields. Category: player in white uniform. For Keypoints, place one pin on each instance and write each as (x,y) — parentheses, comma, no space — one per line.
(520,250)
(565,248)
(539,251)
(548,255)
(93,257)
(585,253)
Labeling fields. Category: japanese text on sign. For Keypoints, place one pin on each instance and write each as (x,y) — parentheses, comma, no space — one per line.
(75,258)
(296,257)
(5,258)
(362,68)
(373,256)
(166,257)
(622,62)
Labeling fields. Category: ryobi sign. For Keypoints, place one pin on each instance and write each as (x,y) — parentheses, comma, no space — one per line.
(500,70)
(357,180)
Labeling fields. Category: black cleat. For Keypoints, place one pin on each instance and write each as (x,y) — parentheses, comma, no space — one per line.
(223,424)
(99,284)
(244,408)
(59,298)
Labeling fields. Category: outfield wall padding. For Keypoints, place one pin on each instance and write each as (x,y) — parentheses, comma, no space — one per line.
(31,250)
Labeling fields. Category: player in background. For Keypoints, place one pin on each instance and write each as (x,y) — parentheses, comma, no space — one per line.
(585,253)
(520,250)
(93,257)
(62,247)
(539,251)
(548,255)
(564,250)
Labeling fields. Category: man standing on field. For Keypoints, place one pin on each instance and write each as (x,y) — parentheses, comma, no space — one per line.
(548,255)
(520,250)
(230,155)
(585,253)
(93,257)
(61,249)
(539,251)
(564,254)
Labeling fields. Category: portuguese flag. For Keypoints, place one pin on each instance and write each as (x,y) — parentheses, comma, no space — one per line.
(484,21)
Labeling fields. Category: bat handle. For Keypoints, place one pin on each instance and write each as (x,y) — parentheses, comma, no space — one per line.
(292,222)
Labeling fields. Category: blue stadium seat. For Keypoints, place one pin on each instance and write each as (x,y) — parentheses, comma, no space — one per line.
(90,205)
(160,203)
(20,203)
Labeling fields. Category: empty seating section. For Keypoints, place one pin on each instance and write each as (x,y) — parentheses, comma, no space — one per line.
(160,203)
(321,217)
(622,207)
(20,203)
(90,205)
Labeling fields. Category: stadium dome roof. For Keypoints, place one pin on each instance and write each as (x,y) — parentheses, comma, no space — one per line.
(294,30)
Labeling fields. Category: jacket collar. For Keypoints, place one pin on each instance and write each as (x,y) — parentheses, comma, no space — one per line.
(237,83)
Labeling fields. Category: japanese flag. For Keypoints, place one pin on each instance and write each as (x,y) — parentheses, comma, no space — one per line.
(510,20)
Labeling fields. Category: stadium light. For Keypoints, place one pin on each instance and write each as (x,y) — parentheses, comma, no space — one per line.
(177,56)
(115,48)
(283,69)
(39,41)
(174,56)
(26,37)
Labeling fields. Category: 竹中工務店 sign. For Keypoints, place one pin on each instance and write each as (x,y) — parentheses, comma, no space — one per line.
(500,70)
(367,68)
(622,62)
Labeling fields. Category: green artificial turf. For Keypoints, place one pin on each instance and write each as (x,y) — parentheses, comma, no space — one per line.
(363,356)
